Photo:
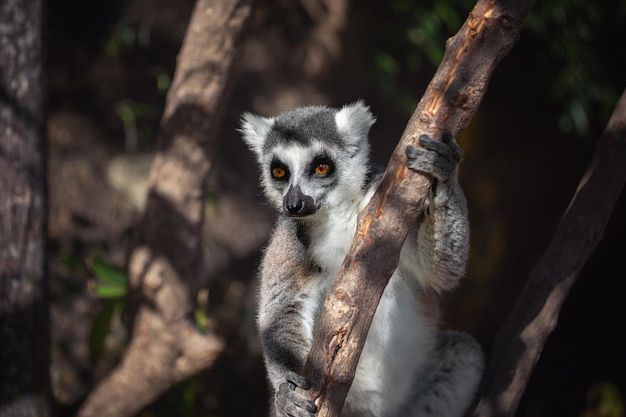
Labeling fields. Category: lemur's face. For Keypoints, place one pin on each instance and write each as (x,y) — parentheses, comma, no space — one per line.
(299,179)
(312,157)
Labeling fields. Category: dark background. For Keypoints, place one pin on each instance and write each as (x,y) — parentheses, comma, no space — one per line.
(109,65)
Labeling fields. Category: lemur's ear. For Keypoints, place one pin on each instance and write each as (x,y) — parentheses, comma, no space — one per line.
(254,130)
(354,121)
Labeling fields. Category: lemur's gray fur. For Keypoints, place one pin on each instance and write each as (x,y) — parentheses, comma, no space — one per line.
(316,172)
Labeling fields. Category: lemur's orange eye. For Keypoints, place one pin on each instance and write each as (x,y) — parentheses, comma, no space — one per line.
(322,169)
(278,172)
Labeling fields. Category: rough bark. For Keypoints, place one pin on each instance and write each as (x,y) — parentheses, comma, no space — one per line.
(23,286)
(447,106)
(535,315)
(166,268)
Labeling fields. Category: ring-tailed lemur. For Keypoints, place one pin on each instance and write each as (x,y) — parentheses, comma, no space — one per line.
(316,172)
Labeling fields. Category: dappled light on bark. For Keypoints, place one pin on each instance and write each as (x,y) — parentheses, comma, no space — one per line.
(166,266)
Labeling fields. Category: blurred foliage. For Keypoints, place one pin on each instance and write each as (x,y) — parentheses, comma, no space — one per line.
(124,38)
(110,284)
(110,280)
(579,57)
(101,326)
(163,82)
(573,44)
(188,399)
(132,44)
(604,400)
(130,112)
(70,260)
(410,38)
(202,306)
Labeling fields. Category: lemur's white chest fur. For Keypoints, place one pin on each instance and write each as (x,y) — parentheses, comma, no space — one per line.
(314,164)
(398,339)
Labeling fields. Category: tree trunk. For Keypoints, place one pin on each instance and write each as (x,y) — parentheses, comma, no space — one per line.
(24,332)
(521,339)
(166,268)
(447,106)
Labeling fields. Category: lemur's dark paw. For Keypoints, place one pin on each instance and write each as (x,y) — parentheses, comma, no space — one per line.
(437,158)
(289,403)
(298,380)
(447,147)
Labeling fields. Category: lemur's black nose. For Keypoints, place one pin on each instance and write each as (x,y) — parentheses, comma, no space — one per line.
(294,207)
(298,204)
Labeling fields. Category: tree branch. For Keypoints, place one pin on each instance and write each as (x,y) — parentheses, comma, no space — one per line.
(166,268)
(521,340)
(447,106)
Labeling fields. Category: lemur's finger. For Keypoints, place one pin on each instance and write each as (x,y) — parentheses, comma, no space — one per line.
(298,380)
(447,147)
(289,403)
(429,162)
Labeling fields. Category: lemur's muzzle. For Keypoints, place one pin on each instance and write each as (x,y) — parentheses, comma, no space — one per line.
(298,204)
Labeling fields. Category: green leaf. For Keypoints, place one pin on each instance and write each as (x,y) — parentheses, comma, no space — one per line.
(109,274)
(127,113)
(110,280)
(108,291)
(201,320)
(163,82)
(99,330)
